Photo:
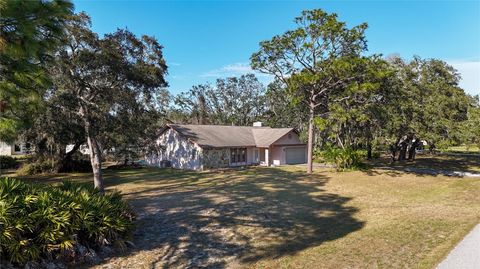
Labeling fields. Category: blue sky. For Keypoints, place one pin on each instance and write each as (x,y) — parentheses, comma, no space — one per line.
(205,40)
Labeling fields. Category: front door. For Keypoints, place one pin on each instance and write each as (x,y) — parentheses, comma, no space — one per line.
(256,158)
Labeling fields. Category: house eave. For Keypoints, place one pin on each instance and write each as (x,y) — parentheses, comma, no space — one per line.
(229,146)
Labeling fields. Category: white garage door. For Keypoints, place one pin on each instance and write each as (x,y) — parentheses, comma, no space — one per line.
(295,155)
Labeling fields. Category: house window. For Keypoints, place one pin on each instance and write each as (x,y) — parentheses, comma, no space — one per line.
(233,153)
(17,148)
(194,153)
(238,155)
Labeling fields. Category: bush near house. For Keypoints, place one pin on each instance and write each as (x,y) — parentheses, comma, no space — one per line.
(8,162)
(346,158)
(41,166)
(36,167)
(54,221)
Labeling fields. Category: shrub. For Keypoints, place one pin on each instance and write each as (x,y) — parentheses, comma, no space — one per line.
(8,162)
(76,166)
(344,158)
(317,154)
(45,221)
(376,155)
(36,167)
(41,166)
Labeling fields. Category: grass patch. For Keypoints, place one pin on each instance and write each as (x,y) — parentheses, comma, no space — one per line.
(463,149)
(282,218)
(444,162)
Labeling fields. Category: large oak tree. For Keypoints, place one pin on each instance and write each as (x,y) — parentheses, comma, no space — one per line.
(119,74)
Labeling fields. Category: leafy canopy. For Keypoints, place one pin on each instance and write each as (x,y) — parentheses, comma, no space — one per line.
(29,33)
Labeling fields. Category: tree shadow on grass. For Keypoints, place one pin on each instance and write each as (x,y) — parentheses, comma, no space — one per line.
(429,165)
(239,217)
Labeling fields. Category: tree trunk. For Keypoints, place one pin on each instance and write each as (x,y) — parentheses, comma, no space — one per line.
(369,151)
(402,144)
(393,153)
(411,152)
(310,139)
(95,153)
(413,149)
(60,157)
(431,147)
(340,141)
(202,109)
(403,151)
(96,160)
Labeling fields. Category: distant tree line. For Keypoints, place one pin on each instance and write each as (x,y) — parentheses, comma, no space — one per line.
(65,85)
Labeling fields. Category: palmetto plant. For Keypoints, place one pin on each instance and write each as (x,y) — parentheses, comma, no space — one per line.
(343,158)
(39,220)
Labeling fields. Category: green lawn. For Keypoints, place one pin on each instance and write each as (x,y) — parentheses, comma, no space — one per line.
(283,218)
(464,149)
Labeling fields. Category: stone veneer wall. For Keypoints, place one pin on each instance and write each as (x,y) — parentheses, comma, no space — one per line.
(216,158)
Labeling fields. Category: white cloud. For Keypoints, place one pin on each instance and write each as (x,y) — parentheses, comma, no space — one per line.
(231,70)
(470,72)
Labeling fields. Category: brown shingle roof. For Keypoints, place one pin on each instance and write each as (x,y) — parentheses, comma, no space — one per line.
(218,136)
(264,137)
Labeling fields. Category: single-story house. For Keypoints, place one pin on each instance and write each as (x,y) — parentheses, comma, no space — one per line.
(198,147)
(17,148)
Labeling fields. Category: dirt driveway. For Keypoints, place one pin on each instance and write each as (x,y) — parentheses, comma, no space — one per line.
(283,218)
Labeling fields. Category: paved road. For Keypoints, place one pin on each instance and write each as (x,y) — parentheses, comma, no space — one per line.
(465,255)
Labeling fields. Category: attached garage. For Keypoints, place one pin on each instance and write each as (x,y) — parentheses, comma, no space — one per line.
(295,155)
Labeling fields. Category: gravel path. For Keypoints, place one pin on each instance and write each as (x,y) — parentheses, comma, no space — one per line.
(466,255)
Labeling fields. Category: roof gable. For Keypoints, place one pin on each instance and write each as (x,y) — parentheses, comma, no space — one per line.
(266,137)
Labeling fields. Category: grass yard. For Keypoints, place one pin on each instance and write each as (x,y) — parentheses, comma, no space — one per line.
(283,218)
(464,149)
(443,161)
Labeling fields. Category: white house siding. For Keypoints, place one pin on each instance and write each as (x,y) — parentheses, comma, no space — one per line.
(182,153)
(5,149)
(9,149)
